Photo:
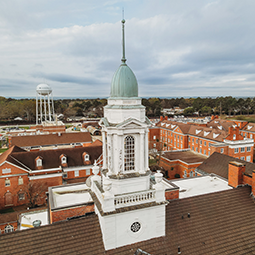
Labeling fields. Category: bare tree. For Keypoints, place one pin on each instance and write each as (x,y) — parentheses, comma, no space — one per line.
(36,193)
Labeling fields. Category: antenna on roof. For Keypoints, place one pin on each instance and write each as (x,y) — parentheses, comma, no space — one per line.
(123,38)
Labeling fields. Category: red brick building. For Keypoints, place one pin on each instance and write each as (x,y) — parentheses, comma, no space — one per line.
(22,169)
(221,136)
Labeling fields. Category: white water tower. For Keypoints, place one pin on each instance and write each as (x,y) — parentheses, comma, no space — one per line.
(44,104)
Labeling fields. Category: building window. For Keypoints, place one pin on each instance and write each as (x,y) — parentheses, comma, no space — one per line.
(8,229)
(242,149)
(87,171)
(181,137)
(193,148)
(200,141)
(248,148)
(38,162)
(189,139)
(7,183)
(174,144)
(221,150)
(76,173)
(250,135)
(177,145)
(204,152)
(196,140)
(242,158)
(174,136)
(191,174)
(64,175)
(185,174)
(154,145)
(192,140)
(200,150)
(209,144)
(209,153)
(86,157)
(204,143)
(129,156)
(236,150)
(234,136)
(196,149)
(248,158)
(21,196)
(181,146)
(20,180)
(154,137)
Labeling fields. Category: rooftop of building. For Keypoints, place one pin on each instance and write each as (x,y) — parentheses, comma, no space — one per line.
(185,156)
(215,223)
(69,195)
(217,163)
(49,139)
(51,158)
(200,185)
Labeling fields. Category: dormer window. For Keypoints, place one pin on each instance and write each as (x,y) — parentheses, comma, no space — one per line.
(234,136)
(63,160)
(39,162)
(86,157)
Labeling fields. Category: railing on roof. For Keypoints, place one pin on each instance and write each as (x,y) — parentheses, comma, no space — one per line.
(134,198)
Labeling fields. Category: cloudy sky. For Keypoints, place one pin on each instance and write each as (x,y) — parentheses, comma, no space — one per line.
(175,48)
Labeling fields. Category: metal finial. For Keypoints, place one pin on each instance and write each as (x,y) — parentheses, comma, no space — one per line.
(123,40)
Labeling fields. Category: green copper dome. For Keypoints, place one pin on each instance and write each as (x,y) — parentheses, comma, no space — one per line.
(124,83)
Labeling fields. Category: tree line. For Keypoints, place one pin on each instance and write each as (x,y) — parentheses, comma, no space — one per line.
(25,108)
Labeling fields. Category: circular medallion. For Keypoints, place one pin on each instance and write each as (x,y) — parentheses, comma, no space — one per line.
(135,227)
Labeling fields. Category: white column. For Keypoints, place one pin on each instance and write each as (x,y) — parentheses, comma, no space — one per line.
(109,150)
(115,154)
(146,151)
(142,153)
(104,150)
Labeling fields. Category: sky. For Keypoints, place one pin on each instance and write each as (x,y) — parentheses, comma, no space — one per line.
(184,48)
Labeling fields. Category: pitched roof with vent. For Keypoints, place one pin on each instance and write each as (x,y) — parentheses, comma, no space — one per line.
(219,223)
(221,124)
(208,133)
(42,140)
(51,158)
(171,125)
(217,163)
(250,127)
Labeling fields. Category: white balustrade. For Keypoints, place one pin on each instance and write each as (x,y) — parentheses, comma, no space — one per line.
(134,198)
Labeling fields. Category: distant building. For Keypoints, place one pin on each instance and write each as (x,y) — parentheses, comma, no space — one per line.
(51,141)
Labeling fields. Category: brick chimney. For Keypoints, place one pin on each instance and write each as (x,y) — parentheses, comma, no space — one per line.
(166,118)
(235,173)
(161,118)
(212,117)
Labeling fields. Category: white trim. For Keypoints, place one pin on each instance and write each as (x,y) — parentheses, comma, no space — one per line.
(12,175)
(77,168)
(44,176)
(15,166)
(46,170)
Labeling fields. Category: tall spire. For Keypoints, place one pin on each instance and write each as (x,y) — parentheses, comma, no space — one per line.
(123,42)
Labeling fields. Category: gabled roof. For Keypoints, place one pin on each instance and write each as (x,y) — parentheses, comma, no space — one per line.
(217,163)
(219,223)
(59,138)
(11,150)
(50,158)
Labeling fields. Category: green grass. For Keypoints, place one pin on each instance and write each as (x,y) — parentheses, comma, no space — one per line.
(250,118)
(3,150)
(8,210)
(152,162)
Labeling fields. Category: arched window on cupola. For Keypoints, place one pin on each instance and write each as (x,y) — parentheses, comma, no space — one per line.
(129,153)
